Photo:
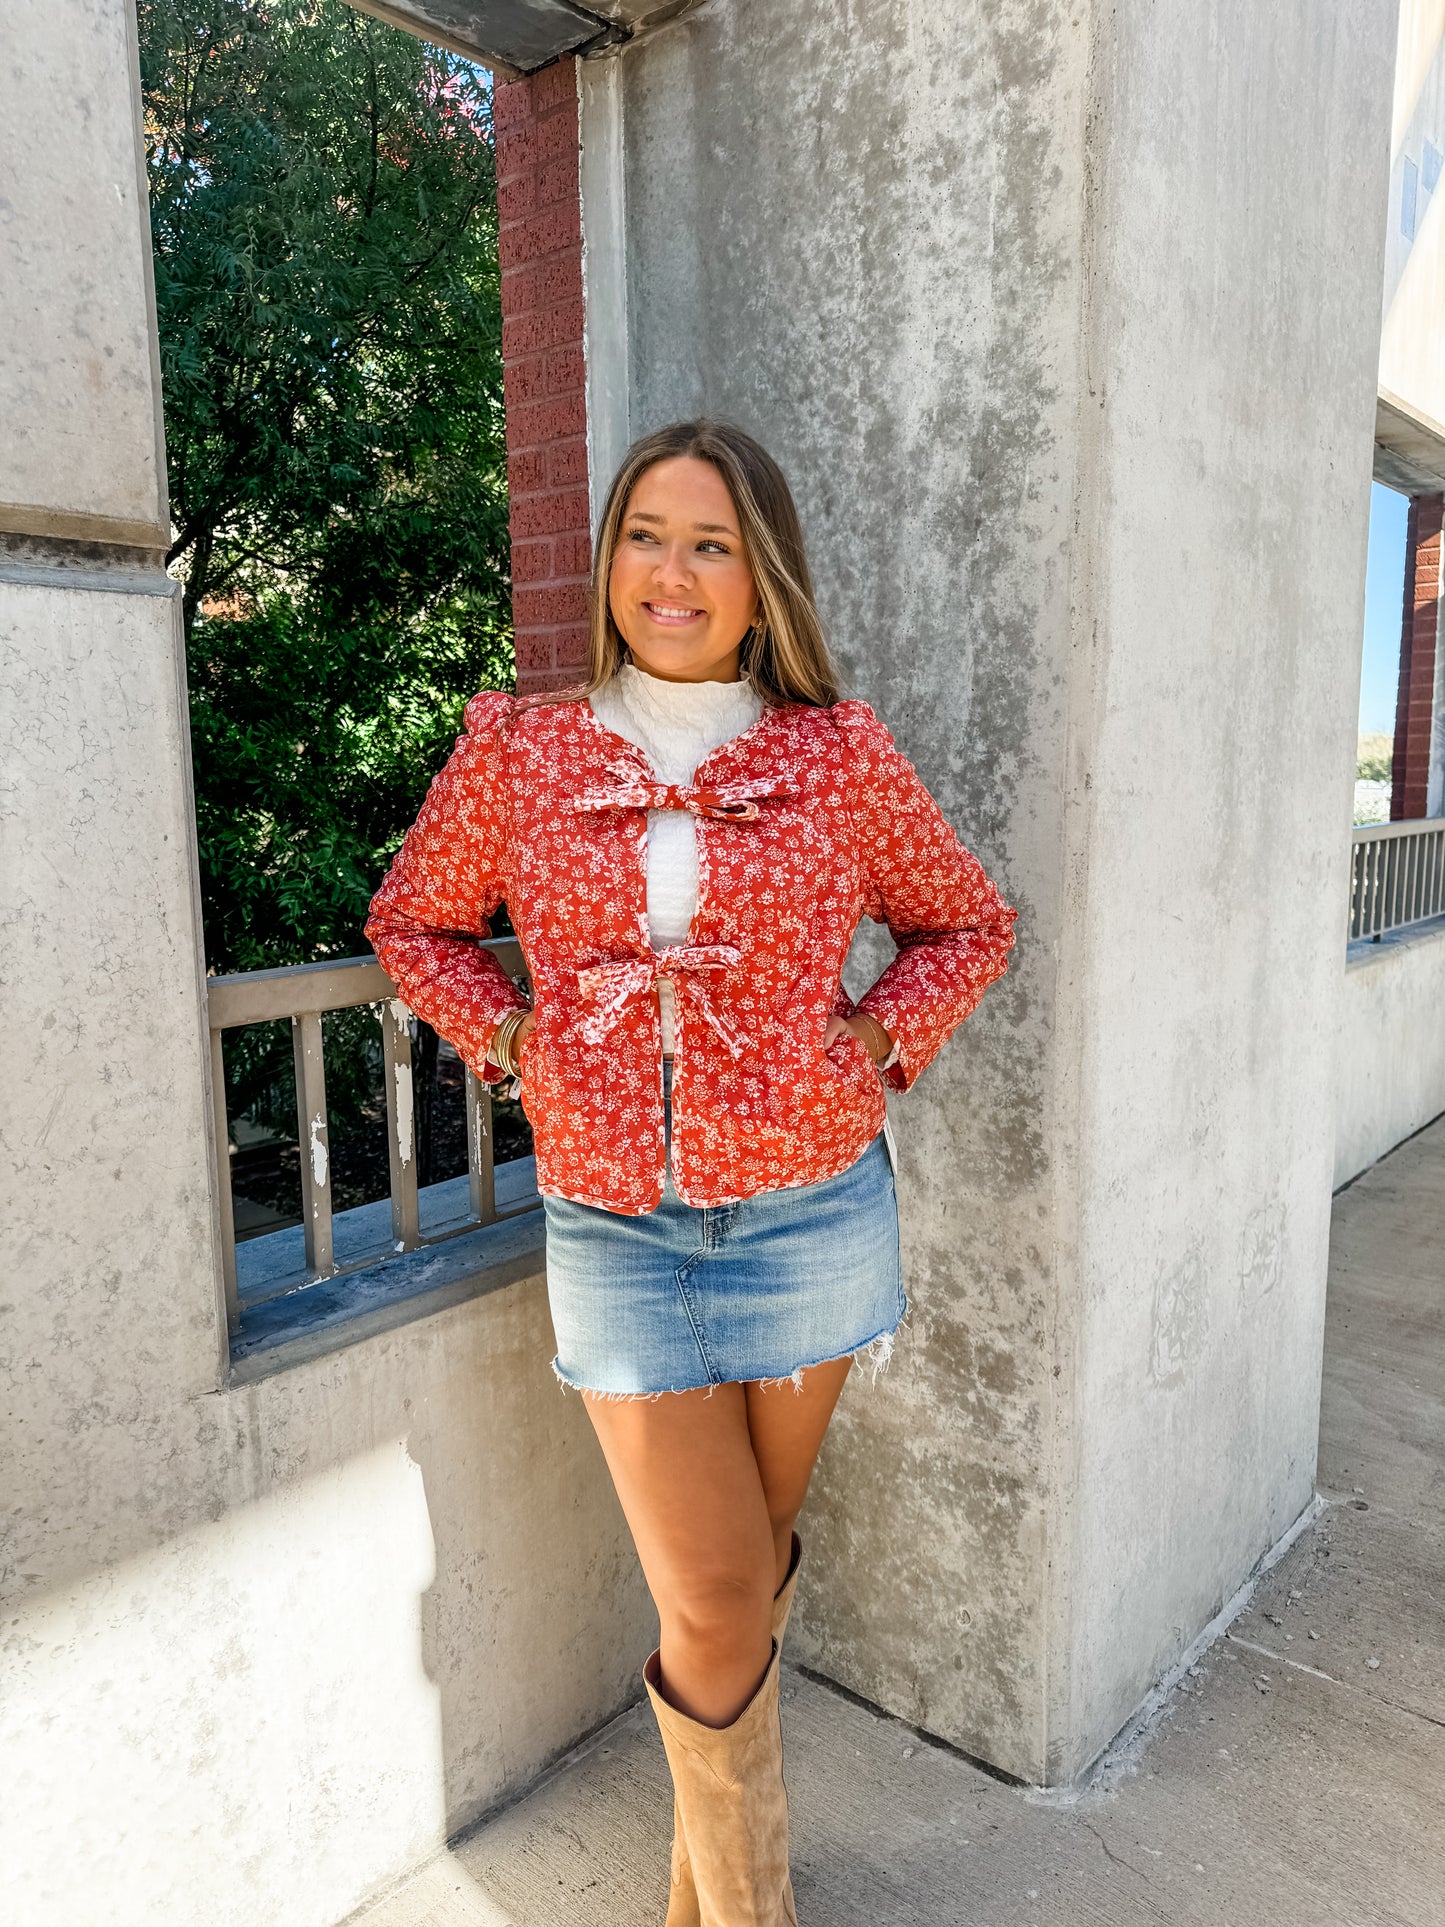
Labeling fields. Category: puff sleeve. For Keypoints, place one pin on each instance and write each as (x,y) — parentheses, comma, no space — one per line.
(436,901)
(952,928)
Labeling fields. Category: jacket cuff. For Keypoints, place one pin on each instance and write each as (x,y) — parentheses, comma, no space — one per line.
(912,1050)
(844,1006)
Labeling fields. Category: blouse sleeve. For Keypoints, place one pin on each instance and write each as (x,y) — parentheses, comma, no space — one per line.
(437,900)
(952,928)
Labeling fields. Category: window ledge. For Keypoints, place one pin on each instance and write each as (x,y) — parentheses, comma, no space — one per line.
(1364,951)
(286,1320)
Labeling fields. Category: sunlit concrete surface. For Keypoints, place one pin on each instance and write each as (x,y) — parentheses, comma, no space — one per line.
(1293,1777)
(1390,1055)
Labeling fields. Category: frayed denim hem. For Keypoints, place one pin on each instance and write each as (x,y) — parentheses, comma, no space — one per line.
(875,1352)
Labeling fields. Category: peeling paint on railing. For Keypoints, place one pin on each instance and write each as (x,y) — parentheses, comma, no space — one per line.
(403,1112)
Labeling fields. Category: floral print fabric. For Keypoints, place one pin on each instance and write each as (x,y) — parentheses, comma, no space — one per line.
(806,822)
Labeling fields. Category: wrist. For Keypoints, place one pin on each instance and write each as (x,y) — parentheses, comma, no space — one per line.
(871,1035)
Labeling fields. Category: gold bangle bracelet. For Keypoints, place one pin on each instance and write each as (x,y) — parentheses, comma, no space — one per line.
(501,1052)
(506,1057)
(513,1038)
(884,1042)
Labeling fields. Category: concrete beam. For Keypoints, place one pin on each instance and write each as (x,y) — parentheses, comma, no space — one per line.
(1409,448)
(516,36)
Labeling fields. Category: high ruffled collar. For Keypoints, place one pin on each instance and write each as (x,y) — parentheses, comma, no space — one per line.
(692,704)
(675,724)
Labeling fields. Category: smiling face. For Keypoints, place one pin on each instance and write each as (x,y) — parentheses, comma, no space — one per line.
(680,589)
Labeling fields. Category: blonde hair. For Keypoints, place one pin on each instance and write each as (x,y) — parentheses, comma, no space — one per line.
(784,655)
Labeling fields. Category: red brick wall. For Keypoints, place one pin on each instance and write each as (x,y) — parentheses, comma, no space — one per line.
(1413,712)
(544,372)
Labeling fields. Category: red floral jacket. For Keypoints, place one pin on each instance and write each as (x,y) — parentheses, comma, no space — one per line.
(807,821)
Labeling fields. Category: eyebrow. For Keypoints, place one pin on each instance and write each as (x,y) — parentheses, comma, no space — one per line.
(703,528)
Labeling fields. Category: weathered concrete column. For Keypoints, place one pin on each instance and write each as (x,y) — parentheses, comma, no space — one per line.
(1064,321)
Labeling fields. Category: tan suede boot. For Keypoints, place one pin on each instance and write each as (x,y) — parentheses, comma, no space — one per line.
(682,1905)
(783,1597)
(733,1806)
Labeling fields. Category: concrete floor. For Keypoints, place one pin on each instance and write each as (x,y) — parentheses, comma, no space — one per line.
(1295,1779)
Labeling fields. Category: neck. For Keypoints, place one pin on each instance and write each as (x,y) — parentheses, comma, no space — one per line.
(729,670)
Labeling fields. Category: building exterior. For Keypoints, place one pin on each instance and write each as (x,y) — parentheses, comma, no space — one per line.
(1410,424)
(1066,323)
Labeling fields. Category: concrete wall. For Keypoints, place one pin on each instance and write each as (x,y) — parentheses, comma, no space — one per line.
(1412,339)
(1390,1066)
(262,1647)
(79,377)
(1079,415)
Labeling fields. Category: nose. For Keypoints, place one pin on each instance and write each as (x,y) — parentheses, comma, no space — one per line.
(672,570)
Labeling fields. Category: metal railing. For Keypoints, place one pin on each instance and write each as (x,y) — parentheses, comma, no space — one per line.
(304,994)
(1398,875)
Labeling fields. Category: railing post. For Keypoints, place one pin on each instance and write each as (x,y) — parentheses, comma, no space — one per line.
(313,1141)
(481,1166)
(1384,874)
(400,1124)
(1378,852)
(221,1127)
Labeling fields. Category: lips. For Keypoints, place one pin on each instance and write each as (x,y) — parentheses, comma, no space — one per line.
(671,612)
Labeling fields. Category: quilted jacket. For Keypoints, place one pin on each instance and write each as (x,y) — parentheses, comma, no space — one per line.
(806,822)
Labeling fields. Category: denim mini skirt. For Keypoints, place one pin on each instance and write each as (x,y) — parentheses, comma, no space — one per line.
(685,1296)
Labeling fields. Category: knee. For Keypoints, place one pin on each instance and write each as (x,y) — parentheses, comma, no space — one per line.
(720,1613)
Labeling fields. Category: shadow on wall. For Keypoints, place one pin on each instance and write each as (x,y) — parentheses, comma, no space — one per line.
(196,1700)
(315,1686)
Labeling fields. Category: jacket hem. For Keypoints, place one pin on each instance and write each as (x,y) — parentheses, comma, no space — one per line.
(696,1203)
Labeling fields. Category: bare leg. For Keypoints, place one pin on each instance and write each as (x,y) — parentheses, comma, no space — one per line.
(711,1484)
(786,1426)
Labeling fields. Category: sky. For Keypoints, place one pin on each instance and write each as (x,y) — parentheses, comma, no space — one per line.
(1384,601)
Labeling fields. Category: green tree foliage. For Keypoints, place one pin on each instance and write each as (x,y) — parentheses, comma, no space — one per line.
(324,216)
(323,210)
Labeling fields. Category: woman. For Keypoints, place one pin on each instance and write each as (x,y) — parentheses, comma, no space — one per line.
(686,846)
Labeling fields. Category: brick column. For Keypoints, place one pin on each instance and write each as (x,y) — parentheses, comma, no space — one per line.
(1414,711)
(544,373)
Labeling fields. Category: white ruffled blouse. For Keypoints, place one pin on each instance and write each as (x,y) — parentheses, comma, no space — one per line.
(675,725)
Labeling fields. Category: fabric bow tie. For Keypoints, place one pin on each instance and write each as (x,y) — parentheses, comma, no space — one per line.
(726,803)
(608,988)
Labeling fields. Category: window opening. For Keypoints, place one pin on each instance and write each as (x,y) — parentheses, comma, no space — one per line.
(1380,666)
(324,218)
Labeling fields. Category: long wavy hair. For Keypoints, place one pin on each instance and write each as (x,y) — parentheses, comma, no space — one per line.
(784,654)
